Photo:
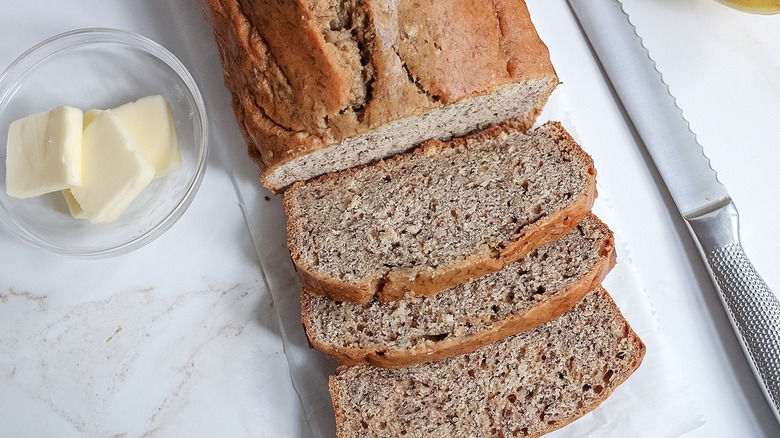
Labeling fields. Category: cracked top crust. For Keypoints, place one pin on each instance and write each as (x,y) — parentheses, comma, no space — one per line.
(307,74)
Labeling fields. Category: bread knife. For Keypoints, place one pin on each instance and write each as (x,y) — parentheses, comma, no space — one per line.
(704,203)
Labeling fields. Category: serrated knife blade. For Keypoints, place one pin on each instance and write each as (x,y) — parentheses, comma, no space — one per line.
(704,203)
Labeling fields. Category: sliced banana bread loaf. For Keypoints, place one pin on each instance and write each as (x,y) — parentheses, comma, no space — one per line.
(322,85)
(533,290)
(525,385)
(448,212)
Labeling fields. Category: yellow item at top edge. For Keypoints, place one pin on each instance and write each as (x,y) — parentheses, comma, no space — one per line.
(766,7)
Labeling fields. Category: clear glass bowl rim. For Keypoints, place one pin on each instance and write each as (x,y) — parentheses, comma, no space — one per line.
(10,81)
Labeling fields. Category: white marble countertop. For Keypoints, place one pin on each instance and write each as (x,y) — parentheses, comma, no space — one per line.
(196,334)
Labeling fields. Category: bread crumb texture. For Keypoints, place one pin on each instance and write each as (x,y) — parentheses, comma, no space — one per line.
(467,309)
(436,207)
(525,385)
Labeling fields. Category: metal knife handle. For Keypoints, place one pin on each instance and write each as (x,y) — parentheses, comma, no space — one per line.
(753,309)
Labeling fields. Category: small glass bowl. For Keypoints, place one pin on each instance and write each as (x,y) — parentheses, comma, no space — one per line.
(102,68)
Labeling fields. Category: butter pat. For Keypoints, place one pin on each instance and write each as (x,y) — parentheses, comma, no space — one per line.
(44,152)
(149,121)
(99,160)
(89,116)
(113,169)
(73,205)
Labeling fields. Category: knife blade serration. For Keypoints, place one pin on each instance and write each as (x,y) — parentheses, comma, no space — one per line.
(712,218)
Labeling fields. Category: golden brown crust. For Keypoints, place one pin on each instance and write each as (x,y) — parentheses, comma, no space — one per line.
(340,414)
(402,283)
(305,75)
(457,345)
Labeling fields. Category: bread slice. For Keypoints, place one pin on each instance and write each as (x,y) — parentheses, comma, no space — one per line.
(322,85)
(535,289)
(421,222)
(525,385)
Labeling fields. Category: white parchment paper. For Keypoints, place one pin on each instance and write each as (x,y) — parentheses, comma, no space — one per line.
(653,399)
